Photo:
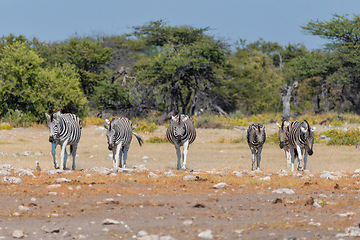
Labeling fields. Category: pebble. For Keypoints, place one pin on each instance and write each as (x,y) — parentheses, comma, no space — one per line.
(109,221)
(11,180)
(283,190)
(153,175)
(220,185)
(206,234)
(18,234)
(189,177)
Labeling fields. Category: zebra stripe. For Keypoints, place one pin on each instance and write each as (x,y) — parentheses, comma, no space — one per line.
(284,140)
(119,135)
(181,132)
(256,137)
(65,129)
(301,140)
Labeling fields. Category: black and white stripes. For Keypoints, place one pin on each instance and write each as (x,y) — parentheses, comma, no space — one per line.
(119,135)
(301,139)
(65,129)
(181,132)
(256,137)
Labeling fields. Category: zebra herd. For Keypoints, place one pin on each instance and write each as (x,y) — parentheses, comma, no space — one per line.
(296,138)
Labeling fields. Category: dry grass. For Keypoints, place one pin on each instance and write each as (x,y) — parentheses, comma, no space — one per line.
(205,153)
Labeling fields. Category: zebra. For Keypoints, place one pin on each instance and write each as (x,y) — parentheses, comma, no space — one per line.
(256,137)
(119,135)
(301,140)
(181,132)
(65,129)
(283,139)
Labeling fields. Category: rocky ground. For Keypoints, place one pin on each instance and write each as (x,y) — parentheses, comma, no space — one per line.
(138,203)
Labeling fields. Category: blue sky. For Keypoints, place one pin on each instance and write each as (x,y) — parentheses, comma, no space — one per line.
(273,20)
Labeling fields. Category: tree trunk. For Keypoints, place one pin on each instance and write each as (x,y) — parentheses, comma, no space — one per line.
(286,98)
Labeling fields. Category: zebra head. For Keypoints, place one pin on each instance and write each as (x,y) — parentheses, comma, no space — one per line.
(308,135)
(53,126)
(110,134)
(282,133)
(179,127)
(257,134)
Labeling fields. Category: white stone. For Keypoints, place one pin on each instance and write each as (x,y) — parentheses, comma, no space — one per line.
(283,190)
(220,185)
(206,234)
(109,221)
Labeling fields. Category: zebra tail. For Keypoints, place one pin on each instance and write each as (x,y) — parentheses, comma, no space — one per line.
(141,142)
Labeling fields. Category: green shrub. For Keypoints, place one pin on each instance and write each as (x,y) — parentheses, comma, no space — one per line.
(5,126)
(273,138)
(157,140)
(337,137)
(145,127)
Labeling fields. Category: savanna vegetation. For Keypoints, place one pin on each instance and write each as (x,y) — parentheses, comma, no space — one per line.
(159,70)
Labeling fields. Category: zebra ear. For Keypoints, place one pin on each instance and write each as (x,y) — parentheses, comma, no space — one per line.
(263,128)
(56,114)
(286,123)
(106,126)
(304,130)
(47,116)
(107,121)
(173,118)
(253,127)
(278,124)
(313,129)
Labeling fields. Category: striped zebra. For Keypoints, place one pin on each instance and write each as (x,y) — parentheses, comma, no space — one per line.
(256,137)
(301,140)
(283,139)
(119,135)
(181,132)
(65,129)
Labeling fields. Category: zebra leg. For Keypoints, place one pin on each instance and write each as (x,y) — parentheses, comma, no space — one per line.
(300,153)
(178,154)
(288,156)
(253,159)
(73,149)
(62,155)
(186,148)
(126,149)
(114,157)
(53,153)
(258,158)
(118,156)
(305,159)
(292,158)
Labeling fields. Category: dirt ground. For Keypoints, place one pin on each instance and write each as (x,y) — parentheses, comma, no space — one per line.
(92,204)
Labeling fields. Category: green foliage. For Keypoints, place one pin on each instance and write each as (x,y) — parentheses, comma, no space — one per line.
(231,140)
(16,118)
(145,127)
(32,90)
(157,140)
(337,137)
(273,138)
(93,121)
(5,126)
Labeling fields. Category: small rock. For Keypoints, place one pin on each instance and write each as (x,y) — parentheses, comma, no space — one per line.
(18,234)
(189,177)
(109,221)
(187,222)
(59,180)
(283,190)
(265,178)
(206,234)
(53,186)
(353,231)
(142,233)
(153,175)
(22,208)
(220,185)
(11,180)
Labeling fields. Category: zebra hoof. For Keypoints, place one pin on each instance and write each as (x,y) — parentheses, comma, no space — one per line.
(56,166)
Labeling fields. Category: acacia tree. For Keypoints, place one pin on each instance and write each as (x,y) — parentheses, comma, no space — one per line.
(186,70)
(343,66)
(29,88)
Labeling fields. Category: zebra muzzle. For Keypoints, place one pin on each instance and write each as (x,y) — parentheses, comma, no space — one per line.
(281,145)
(310,152)
(110,147)
(51,139)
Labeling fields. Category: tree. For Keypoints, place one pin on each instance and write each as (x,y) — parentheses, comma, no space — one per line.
(186,69)
(344,67)
(27,87)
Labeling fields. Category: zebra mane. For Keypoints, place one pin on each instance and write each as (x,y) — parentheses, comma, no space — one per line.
(179,117)
(52,115)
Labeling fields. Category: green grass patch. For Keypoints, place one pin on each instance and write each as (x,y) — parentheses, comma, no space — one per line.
(157,140)
(145,127)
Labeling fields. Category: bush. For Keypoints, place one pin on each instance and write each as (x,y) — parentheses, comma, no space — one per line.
(145,128)
(5,126)
(157,140)
(337,137)
(93,121)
